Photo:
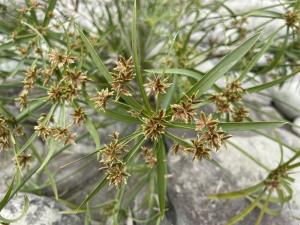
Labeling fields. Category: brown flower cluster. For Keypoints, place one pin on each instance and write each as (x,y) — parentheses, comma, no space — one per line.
(149,157)
(23,160)
(29,81)
(59,60)
(156,85)
(184,110)
(58,133)
(76,77)
(229,101)
(101,99)
(63,91)
(78,116)
(209,137)
(273,181)
(123,74)
(292,20)
(111,157)
(5,142)
(33,4)
(154,126)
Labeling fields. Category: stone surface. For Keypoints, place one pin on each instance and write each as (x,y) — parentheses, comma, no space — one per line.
(264,113)
(6,169)
(76,181)
(190,183)
(296,128)
(42,211)
(287,99)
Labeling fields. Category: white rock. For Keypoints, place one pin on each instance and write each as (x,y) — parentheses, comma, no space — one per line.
(296,128)
(196,180)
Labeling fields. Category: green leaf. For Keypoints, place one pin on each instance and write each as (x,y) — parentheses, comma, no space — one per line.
(258,55)
(136,58)
(161,175)
(27,143)
(238,194)
(93,131)
(132,152)
(263,210)
(6,197)
(51,6)
(102,68)
(245,126)
(96,189)
(233,126)
(96,59)
(197,75)
(270,84)
(223,66)
(245,212)
(31,108)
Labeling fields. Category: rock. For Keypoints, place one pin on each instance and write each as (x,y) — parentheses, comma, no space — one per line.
(190,183)
(257,99)
(42,211)
(76,181)
(296,128)
(264,113)
(7,169)
(287,99)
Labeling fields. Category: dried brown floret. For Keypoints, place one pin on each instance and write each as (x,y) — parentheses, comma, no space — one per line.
(23,160)
(156,86)
(78,115)
(60,60)
(22,99)
(205,122)
(100,100)
(42,130)
(63,134)
(5,141)
(63,91)
(199,149)
(113,151)
(117,174)
(77,78)
(183,111)
(149,157)
(240,113)
(221,102)
(234,91)
(215,137)
(154,126)
(124,73)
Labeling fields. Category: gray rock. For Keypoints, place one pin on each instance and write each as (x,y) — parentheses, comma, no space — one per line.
(257,99)
(190,183)
(296,128)
(264,113)
(42,211)
(7,170)
(76,181)
(287,99)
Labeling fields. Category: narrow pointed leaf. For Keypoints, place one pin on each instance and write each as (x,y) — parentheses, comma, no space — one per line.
(136,58)
(197,75)
(223,66)
(270,84)
(238,194)
(257,56)
(161,173)
(245,212)
(93,131)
